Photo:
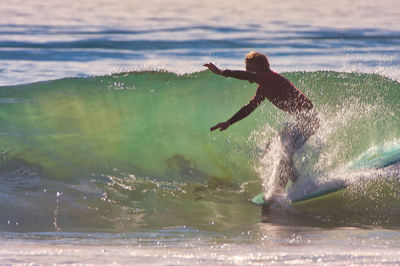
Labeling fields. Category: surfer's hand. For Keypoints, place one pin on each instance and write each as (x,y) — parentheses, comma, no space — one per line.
(222,126)
(213,68)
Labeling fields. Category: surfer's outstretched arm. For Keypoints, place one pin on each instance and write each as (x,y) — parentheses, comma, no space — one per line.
(213,68)
(243,112)
(238,74)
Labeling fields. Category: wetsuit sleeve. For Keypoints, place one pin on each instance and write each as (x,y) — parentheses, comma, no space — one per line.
(248,108)
(238,74)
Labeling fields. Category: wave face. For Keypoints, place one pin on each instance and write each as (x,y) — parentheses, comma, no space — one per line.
(133,150)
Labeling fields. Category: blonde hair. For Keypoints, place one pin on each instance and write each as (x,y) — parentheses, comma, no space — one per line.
(257,58)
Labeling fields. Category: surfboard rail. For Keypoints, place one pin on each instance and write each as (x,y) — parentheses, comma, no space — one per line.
(259,199)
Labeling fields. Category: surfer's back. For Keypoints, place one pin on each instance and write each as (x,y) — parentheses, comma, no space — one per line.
(282,93)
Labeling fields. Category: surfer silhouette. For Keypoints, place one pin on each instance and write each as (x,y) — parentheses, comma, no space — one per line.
(284,95)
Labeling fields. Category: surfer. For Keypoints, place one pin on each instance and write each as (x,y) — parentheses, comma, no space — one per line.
(284,95)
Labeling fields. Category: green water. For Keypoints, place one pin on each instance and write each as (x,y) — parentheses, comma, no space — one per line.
(157,124)
(137,145)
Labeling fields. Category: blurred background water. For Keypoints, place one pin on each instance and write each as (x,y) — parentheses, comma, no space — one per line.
(53,39)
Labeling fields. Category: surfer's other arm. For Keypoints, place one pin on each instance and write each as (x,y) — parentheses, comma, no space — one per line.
(243,112)
(248,108)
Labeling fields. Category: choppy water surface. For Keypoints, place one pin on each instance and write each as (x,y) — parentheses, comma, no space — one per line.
(54,39)
(268,245)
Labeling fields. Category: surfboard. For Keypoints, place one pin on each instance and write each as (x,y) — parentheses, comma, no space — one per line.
(259,199)
(377,158)
(322,203)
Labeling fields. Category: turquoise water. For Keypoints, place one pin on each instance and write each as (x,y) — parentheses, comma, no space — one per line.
(137,147)
(106,155)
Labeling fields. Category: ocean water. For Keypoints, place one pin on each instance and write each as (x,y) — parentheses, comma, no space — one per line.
(106,155)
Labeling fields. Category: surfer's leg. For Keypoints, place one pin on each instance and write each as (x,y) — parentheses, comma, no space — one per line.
(294,174)
(305,126)
(293,137)
(286,168)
